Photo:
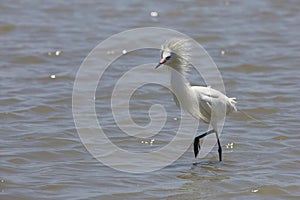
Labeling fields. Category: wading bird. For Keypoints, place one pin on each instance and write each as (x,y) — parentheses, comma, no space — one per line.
(203,103)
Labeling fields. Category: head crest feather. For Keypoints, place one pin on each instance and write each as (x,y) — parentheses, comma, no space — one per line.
(181,48)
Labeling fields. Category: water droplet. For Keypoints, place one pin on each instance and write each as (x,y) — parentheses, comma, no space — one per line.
(110,52)
(52,76)
(57,53)
(124,51)
(153,14)
(254,190)
(54,53)
(229,145)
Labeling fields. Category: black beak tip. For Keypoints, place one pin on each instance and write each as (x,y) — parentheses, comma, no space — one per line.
(157,65)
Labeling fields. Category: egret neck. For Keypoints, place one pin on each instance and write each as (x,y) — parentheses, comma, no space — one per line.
(183,92)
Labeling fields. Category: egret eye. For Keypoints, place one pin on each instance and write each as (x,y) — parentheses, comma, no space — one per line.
(168,57)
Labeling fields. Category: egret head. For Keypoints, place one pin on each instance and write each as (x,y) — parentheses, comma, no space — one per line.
(174,53)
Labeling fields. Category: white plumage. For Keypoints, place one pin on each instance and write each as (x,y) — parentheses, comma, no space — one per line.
(203,103)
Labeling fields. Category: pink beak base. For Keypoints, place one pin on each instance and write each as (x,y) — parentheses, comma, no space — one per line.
(162,61)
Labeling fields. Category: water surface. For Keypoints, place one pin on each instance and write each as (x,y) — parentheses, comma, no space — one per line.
(256,47)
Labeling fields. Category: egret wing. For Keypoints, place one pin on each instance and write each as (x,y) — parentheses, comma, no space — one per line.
(206,96)
(210,96)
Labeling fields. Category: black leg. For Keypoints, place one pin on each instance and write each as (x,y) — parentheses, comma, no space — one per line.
(197,139)
(196,146)
(219,147)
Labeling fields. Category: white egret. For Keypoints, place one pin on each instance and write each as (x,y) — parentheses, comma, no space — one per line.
(203,103)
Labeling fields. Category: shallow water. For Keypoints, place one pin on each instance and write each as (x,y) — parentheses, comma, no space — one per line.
(256,47)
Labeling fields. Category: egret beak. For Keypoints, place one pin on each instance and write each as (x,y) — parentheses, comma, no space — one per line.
(162,61)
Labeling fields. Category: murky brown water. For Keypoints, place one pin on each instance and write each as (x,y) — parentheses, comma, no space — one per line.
(256,46)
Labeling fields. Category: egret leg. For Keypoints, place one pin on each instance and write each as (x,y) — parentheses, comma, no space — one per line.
(197,139)
(219,147)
